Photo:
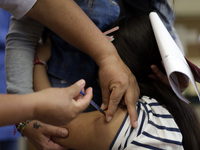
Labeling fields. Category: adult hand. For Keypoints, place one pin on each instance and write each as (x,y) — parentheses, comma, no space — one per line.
(117,83)
(160,76)
(58,106)
(39,134)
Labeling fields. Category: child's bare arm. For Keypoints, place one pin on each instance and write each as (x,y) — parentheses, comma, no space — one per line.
(91,131)
(40,78)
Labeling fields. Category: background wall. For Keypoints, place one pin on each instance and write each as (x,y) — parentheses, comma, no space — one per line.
(187,24)
(187,8)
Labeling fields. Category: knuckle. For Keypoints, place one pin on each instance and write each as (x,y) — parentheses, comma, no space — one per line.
(105,100)
(58,132)
(74,114)
(133,79)
(130,102)
(115,103)
(111,111)
(138,90)
(121,82)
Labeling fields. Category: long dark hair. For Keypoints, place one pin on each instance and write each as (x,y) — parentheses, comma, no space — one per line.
(137,47)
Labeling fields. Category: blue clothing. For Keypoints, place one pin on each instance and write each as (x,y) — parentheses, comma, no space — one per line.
(22,43)
(163,9)
(6,133)
(5,20)
(70,64)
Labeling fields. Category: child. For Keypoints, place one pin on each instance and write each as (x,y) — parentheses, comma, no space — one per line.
(164,121)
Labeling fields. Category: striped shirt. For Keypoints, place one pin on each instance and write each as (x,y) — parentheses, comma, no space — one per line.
(156,129)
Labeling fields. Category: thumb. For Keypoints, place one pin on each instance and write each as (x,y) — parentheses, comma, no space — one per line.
(83,102)
(74,90)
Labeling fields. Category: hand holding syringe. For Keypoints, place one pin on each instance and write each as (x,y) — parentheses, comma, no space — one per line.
(95,105)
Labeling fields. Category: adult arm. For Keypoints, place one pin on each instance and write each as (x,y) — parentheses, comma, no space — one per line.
(99,130)
(68,20)
(12,109)
(44,105)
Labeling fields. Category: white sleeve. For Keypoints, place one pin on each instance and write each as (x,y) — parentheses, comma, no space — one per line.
(18,8)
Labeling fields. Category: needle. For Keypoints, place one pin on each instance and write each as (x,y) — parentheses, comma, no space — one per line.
(95,105)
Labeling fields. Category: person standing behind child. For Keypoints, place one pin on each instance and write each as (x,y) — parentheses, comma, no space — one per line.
(164,120)
(86,38)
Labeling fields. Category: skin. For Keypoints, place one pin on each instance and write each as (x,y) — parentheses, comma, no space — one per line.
(18,108)
(120,82)
(64,17)
(78,131)
(87,130)
(160,76)
(41,82)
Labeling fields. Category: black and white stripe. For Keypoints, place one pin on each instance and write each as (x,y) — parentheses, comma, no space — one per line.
(156,130)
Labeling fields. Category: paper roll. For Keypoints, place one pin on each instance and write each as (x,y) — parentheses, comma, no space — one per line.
(172,57)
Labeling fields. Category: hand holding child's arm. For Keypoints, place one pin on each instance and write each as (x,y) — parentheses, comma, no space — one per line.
(160,76)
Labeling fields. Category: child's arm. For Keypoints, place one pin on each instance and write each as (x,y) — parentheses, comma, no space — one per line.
(40,78)
(90,131)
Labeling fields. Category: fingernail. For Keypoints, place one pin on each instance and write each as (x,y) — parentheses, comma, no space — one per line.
(81,83)
(135,124)
(102,106)
(109,118)
(64,133)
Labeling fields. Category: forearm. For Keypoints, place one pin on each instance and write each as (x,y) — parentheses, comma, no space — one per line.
(15,108)
(22,40)
(40,78)
(74,26)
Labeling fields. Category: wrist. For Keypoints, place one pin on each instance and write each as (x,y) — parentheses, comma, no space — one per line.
(106,56)
(104,50)
(21,126)
(109,59)
(38,61)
